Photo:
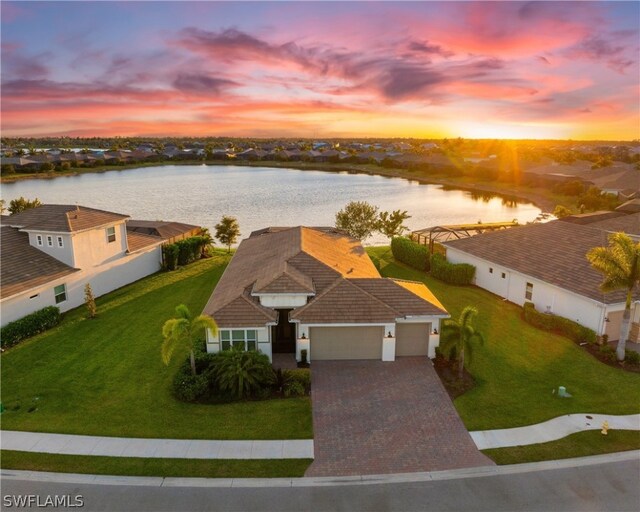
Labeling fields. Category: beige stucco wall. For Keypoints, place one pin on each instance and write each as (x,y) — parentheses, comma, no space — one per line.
(91,248)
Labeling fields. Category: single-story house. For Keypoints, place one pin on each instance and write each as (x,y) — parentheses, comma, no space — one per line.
(51,252)
(170,232)
(546,264)
(316,289)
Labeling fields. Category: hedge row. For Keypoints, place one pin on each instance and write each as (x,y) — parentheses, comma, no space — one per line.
(30,325)
(558,324)
(183,252)
(411,253)
(452,273)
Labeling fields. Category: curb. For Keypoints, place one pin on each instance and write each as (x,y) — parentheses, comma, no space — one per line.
(482,471)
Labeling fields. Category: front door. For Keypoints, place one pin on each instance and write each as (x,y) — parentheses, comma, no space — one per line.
(284,334)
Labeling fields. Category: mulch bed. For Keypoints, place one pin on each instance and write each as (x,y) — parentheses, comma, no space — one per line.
(594,350)
(448,373)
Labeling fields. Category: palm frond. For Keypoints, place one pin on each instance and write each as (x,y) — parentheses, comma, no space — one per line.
(183,312)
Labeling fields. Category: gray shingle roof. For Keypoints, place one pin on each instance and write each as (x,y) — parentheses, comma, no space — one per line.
(554,252)
(24,267)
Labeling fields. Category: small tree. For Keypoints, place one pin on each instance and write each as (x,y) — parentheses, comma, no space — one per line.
(228,231)
(392,224)
(183,333)
(358,218)
(459,337)
(8,169)
(90,301)
(620,265)
(21,204)
(561,211)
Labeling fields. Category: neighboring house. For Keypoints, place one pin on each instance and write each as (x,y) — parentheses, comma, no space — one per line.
(170,232)
(288,289)
(546,264)
(49,253)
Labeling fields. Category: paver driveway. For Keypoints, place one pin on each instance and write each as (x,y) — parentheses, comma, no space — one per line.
(371,417)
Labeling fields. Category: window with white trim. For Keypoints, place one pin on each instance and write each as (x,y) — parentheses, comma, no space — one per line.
(49,240)
(528,293)
(111,234)
(39,240)
(503,275)
(60,242)
(245,338)
(60,293)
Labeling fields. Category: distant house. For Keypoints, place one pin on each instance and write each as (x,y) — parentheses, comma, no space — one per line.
(546,264)
(289,289)
(49,253)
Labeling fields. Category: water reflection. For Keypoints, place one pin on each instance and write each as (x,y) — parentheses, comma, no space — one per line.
(261,196)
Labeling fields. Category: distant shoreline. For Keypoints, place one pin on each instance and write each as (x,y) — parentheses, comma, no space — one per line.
(536,197)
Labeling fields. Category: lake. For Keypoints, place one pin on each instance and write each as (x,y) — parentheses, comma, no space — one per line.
(262,196)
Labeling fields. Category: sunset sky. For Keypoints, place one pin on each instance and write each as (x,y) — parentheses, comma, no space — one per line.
(322,69)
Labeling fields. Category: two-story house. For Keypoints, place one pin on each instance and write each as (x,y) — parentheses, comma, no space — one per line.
(51,252)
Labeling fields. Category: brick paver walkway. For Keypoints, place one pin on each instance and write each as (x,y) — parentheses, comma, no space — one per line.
(374,417)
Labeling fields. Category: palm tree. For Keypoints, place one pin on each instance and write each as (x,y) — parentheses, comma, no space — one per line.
(620,264)
(183,332)
(459,337)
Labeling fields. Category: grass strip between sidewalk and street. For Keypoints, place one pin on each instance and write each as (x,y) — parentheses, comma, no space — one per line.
(136,466)
(580,444)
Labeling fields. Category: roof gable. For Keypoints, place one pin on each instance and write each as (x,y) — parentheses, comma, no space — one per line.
(344,302)
(62,218)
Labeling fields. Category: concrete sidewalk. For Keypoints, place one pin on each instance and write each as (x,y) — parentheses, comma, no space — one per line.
(155,448)
(552,430)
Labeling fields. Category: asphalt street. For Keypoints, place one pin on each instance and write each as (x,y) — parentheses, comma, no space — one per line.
(610,486)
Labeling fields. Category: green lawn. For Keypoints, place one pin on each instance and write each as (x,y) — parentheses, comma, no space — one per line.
(581,444)
(519,366)
(134,466)
(105,376)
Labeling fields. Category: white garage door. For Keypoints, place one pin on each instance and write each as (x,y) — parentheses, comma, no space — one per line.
(412,339)
(328,343)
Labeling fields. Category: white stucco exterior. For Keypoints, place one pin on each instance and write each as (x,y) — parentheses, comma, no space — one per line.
(263,338)
(512,286)
(282,300)
(103,279)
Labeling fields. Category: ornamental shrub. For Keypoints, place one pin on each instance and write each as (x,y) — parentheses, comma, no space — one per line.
(301,376)
(30,325)
(632,357)
(242,373)
(558,325)
(411,253)
(190,249)
(188,387)
(170,256)
(452,273)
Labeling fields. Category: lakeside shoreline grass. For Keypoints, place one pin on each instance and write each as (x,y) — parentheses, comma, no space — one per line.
(540,197)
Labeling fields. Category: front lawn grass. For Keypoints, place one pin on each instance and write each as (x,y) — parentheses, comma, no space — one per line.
(581,444)
(105,376)
(519,366)
(135,466)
